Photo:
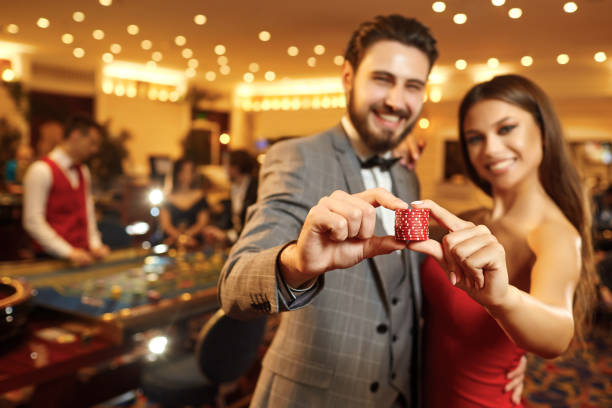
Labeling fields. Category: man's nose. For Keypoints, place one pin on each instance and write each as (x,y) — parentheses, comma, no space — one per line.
(395,98)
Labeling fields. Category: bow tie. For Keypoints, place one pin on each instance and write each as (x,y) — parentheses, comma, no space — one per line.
(384,164)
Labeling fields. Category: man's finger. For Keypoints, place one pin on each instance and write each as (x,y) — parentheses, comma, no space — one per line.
(429,247)
(444,217)
(519,370)
(517,394)
(381,245)
(379,196)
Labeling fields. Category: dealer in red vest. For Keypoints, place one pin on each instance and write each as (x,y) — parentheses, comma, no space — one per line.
(58,209)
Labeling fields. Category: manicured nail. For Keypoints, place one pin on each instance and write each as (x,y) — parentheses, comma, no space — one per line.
(453,278)
(416,203)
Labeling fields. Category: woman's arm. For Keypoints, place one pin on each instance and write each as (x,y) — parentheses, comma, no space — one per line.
(166,223)
(201,222)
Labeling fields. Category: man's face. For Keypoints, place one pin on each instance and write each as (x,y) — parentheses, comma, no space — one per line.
(83,146)
(385,94)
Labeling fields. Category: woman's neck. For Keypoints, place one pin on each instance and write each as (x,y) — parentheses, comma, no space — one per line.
(522,202)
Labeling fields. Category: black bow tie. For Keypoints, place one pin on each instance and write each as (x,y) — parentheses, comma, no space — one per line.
(384,164)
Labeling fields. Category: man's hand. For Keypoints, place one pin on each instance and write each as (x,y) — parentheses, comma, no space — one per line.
(410,150)
(516,381)
(80,257)
(339,233)
(213,234)
(100,252)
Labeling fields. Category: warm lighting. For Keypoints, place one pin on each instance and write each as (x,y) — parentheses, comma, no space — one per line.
(311,62)
(339,60)
(174,96)
(461,64)
(224,138)
(190,72)
(254,67)
(43,22)
(187,53)
(264,36)
(180,40)
(225,70)
(98,34)
(151,65)
(319,49)
(115,48)
(248,77)
(107,57)
(146,44)
(163,95)
(515,13)
(493,63)
(78,16)
(498,2)
(270,76)
(563,59)
(435,95)
(67,38)
(106,3)
(438,6)
(12,28)
(8,75)
(131,91)
(423,123)
(460,18)
(156,196)
(222,60)
(157,345)
(133,29)
(261,157)
(600,56)
(107,86)
(526,61)
(199,19)
(120,90)
(219,49)
(436,76)
(156,56)
(152,95)
(78,52)
(570,7)
(210,76)
(293,51)
(193,63)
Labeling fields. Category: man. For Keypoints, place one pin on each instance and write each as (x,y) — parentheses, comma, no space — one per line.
(352,334)
(58,205)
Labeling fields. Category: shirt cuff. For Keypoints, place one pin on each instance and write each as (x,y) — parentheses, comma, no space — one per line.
(293,298)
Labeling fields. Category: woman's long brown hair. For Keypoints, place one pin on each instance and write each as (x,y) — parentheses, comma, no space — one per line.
(558,175)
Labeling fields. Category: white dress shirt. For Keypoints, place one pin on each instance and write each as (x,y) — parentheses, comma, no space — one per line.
(36,185)
(372,177)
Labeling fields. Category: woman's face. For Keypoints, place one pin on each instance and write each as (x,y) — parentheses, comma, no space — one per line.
(504,143)
(185,176)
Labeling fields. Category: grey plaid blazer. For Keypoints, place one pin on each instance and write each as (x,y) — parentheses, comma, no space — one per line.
(354,343)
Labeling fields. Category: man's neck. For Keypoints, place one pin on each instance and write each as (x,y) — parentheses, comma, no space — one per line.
(65,148)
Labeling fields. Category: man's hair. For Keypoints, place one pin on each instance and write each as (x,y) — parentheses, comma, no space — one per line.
(407,31)
(243,160)
(82,123)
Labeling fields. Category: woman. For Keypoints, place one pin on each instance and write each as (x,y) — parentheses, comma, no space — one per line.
(185,211)
(517,277)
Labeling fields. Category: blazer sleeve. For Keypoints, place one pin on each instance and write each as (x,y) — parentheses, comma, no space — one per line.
(248,284)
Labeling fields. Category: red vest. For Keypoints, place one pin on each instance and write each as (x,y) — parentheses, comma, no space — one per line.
(66,207)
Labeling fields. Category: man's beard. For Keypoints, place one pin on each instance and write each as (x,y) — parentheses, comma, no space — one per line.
(376,143)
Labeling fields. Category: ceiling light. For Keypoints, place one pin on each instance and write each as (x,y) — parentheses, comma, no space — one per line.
(600,56)
(115,48)
(570,7)
(435,95)
(264,36)
(193,63)
(8,75)
(180,40)
(156,56)
(563,59)
(526,61)
(254,67)
(423,123)
(222,60)
(67,38)
(174,96)
(248,77)
(190,72)
(224,138)
(43,22)
(270,76)
(338,60)
(12,28)
(493,62)
(131,92)
(187,53)
(107,57)
(219,49)
(133,29)
(210,76)
(319,49)
(107,86)
(460,18)
(312,62)
(78,16)
(225,70)
(293,51)
(515,13)
(151,65)
(98,34)
(106,3)
(199,19)
(438,6)
(78,52)
(120,90)
(498,2)
(146,44)
(461,64)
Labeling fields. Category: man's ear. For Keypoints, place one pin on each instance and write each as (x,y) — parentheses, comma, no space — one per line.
(348,74)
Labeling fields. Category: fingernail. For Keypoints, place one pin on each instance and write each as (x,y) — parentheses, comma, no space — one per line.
(453,278)
(416,203)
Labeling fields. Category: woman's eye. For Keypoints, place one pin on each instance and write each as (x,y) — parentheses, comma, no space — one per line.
(473,139)
(506,129)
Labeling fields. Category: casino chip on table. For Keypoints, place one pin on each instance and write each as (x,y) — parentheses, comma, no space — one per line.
(412,224)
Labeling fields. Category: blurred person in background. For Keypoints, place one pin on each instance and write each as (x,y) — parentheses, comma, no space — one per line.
(15,169)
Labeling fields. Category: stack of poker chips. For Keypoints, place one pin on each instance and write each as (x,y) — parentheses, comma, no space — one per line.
(412,224)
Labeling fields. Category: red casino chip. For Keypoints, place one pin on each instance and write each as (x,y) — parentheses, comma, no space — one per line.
(412,224)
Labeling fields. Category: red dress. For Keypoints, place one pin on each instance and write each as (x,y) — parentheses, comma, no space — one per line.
(467,354)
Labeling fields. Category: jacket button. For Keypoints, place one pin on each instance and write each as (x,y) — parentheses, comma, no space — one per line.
(394,301)
(394,338)
(374,386)
(393,375)
(381,328)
